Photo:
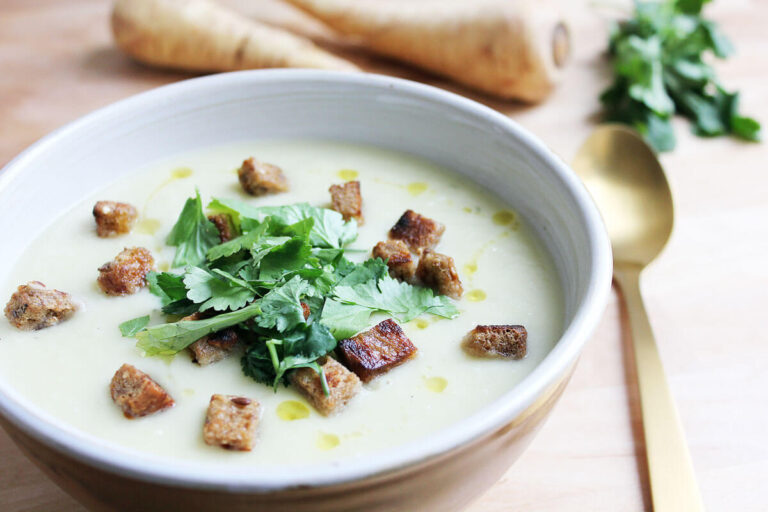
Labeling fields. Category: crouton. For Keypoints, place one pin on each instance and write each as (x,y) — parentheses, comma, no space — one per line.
(398,258)
(502,341)
(214,347)
(33,307)
(258,178)
(223,223)
(417,231)
(305,309)
(113,218)
(127,273)
(137,394)
(231,422)
(438,272)
(342,384)
(346,200)
(376,351)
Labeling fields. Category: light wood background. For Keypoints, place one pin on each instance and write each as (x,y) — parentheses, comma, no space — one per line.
(707,295)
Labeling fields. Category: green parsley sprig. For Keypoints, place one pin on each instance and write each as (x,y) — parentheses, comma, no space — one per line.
(282,257)
(660,65)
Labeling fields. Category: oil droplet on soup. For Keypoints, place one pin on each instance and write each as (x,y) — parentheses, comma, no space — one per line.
(291,410)
(148,226)
(467,209)
(417,188)
(436,384)
(470,268)
(421,323)
(181,173)
(164,266)
(327,441)
(503,217)
(476,295)
(347,174)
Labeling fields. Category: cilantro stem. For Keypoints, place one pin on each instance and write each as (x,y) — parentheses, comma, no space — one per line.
(273,353)
(323,381)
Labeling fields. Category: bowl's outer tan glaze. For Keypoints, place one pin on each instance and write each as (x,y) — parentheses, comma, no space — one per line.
(443,484)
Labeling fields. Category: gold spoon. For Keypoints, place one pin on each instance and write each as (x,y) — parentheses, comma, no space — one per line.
(628,184)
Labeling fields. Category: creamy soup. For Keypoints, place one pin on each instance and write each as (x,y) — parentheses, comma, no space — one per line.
(66,369)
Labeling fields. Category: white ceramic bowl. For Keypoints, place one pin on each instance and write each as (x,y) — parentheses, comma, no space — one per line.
(442,472)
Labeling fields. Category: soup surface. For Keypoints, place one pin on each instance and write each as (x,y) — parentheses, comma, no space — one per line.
(66,369)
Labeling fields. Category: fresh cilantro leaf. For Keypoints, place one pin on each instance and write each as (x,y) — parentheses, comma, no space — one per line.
(242,242)
(193,234)
(329,229)
(168,339)
(129,328)
(401,300)
(292,255)
(344,320)
(169,287)
(268,361)
(372,269)
(216,289)
(281,307)
(661,69)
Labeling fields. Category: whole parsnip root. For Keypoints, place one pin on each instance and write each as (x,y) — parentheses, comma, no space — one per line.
(508,48)
(199,35)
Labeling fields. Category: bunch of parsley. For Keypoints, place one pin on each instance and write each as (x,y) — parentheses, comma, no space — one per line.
(659,62)
(282,257)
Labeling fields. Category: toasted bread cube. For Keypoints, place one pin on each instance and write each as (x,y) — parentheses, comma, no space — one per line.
(417,231)
(127,273)
(501,341)
(33,307)
(259,178)
(342,384)
(137,394)
(231,422)
(113,218)
(438,272)
(398,258)
(214,347)
(223,223)
(376,351)
(346,200)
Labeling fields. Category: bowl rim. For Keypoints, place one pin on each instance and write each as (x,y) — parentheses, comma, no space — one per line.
(488,419)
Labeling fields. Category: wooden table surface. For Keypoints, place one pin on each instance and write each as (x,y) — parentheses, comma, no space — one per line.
(707,295)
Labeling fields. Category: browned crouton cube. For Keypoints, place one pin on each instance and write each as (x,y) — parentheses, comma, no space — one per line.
(376,351)
(342,384)
(417,231)
(223,223)
(305,310)
(214,347)
(258,178)
(398,258)
(438,272)
(33,307)
(137,394)
(231,422)
(127,273)
(113,218)
(504,341)
(346,200)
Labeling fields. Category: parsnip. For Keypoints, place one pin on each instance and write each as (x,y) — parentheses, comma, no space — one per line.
(199,35)
(508,48)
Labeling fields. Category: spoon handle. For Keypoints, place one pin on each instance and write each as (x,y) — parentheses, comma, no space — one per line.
(673,482)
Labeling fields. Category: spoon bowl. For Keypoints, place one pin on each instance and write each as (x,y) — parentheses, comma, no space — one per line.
(626,179)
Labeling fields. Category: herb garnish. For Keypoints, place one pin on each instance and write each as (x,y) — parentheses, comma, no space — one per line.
(282,257)
(660,70)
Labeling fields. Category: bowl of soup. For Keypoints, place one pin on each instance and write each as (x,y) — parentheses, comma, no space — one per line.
(276,204)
